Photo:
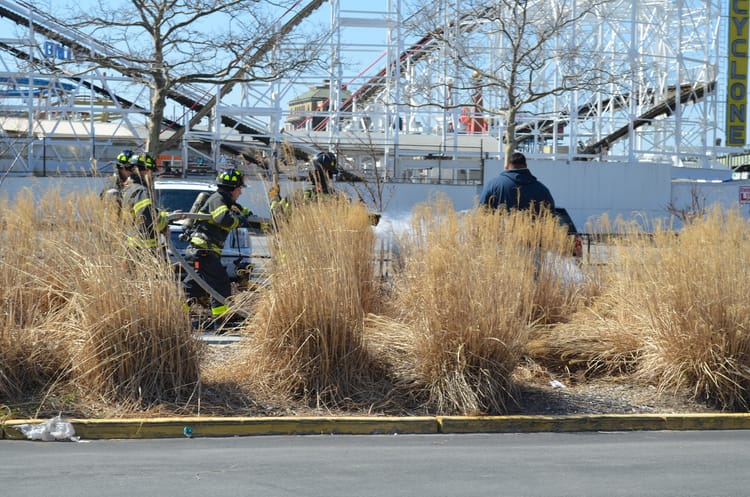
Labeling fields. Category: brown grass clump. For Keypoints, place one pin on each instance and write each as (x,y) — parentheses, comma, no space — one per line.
(690,291)
(471,287)
(99,321)
(30,361)
(137,344)
(307,327)
(31,356)
(600,339)
(672,312)
(588,346)
(90,326)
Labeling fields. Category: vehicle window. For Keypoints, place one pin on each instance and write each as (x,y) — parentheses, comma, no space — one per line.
(173,200)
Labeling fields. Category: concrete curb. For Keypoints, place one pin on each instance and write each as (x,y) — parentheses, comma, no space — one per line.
(248,426)
(229,427)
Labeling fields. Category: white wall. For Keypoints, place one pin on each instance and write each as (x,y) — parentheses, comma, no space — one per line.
(10,186)
(587,189)
(726,194)
(255,197)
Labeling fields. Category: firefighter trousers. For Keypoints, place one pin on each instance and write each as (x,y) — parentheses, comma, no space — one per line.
(210,269)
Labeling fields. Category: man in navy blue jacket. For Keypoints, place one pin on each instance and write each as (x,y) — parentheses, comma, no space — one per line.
(516,188)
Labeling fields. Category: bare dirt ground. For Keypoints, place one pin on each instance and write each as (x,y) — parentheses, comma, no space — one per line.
(537,392)
(542,393)
(603,396)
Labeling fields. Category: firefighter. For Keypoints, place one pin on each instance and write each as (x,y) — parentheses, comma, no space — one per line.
(321,175)
(113,188)
(150,165)
(324,168)
(280,206)
(136,199)
(321,184)
(208,237)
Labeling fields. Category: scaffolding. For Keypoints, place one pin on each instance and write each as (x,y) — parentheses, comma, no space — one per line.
(395,95)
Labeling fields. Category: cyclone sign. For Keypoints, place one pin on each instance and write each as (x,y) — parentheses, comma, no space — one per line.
(737,74)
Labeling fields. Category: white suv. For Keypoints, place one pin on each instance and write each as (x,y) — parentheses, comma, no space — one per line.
(178,194)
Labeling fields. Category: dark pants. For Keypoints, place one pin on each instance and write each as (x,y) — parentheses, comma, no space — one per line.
(208,266)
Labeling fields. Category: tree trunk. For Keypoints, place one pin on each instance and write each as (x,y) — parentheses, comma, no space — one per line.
(158,104)
(510,134)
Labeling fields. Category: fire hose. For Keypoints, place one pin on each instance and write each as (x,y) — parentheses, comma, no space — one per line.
(189,268)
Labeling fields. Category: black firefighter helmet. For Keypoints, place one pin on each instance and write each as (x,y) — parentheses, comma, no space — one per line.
(321,174)
(326,161)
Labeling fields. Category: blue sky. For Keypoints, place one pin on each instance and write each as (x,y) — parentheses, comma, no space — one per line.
(363,46)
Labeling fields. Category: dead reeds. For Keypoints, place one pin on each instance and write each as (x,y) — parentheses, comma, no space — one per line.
(83,314)
(87,321)
(307,327)
(671,313)
(690,292)
(471,288)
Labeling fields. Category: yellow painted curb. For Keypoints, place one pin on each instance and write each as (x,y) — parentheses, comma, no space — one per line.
(603,422)
(228,427)
(247,426)
(8,430)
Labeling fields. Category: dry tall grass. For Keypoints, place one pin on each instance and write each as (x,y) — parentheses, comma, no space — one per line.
(87,324)
(673,312)
(307,324)
(594,343)
(690,291)
(471,287)
(84,317)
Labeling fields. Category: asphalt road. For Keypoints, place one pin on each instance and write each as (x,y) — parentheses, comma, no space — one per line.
(682,463)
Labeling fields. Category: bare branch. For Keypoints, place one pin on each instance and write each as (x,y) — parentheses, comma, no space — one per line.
(166,44)
(531,35)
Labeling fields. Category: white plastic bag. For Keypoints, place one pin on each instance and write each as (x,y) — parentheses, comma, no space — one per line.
(57,428)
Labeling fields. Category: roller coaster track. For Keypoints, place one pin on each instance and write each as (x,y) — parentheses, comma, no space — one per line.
(204,109)
(418,50)
(122,102)
(423,47)
(375,84)
(25,14)
(688,93)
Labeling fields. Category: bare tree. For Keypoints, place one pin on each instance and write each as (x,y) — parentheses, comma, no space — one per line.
(168,45)
(531,34)
(689,213)
(367,181)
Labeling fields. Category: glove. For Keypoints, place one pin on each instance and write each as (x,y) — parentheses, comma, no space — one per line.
(374,218)
(245,215)
(274,191)
(242,211)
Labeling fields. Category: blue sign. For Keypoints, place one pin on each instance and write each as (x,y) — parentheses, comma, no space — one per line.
(55,50)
